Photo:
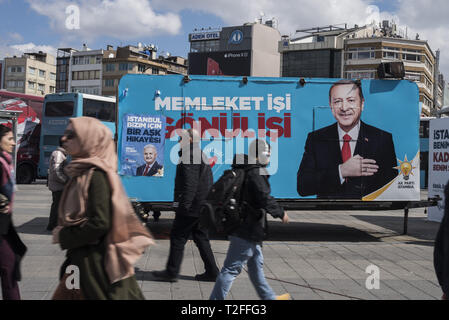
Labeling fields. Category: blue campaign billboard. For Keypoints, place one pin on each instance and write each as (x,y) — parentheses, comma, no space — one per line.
(329,138)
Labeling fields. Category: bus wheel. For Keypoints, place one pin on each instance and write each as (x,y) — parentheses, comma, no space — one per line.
(25,174)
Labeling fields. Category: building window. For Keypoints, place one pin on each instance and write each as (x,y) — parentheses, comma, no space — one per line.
(125,66)
(110,67)
(31,70)
(428,84)
(15,69)
(41,87)
(15,84)
(427,102)
(205,46)
(428,64)
(109,83)
(411,57)
(154,71)
(390,53)
(98,60)
(52,89)
(52,76)
(41,73)
(360,53)
(141,67)
(31,85)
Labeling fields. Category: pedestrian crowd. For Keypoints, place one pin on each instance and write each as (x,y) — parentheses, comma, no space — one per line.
(92,219)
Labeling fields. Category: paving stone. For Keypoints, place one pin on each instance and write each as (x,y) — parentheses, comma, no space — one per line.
(326,250)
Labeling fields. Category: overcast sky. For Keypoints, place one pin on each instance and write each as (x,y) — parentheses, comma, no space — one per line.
(42,24)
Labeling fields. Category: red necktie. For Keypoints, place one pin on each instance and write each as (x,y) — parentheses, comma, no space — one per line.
(346,150)
(146,170)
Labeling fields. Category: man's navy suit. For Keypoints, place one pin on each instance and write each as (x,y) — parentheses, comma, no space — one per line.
(318,173)
(140,170)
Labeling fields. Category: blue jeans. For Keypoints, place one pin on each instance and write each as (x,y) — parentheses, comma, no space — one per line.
(242,252)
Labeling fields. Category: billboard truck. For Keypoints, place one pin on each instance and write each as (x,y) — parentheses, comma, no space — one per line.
(315,162)
(28,131)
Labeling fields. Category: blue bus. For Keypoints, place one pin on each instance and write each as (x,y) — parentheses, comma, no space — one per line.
(59,108)
(424,124)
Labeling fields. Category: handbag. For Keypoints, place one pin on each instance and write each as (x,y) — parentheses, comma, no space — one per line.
(4,202)
(63,293)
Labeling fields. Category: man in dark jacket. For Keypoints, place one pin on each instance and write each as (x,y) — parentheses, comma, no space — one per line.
(192,183)
(246,240)
(441,250)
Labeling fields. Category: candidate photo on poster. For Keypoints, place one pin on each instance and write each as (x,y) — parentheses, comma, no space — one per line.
(350,158)
(151,167)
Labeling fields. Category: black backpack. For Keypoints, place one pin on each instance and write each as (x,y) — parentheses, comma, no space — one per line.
(221,210)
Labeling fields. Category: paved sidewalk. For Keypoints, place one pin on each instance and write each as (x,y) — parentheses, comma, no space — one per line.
(319,255)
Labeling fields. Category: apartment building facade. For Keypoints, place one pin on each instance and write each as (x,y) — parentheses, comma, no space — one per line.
(86,70)
(356,53)
(129,60)
(363,56)
(32,73)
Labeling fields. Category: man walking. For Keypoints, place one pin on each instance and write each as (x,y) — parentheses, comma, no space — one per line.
(192,183)
(56,181)
(245,245)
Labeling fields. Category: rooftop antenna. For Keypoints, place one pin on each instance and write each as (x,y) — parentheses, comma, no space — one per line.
(262,14)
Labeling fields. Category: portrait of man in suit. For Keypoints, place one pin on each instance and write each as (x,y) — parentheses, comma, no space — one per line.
(348,159)
(151,167)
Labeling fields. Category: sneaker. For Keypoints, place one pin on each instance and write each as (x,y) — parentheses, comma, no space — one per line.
(206,277)
(285,296)
(163,276)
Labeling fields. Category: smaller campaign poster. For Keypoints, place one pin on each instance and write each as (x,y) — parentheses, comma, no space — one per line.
(438,164)
(143,142)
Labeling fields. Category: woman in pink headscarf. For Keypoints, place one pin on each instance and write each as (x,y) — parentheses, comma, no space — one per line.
(97,224)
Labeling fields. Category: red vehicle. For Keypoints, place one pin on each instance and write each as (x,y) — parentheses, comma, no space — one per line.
(28,131)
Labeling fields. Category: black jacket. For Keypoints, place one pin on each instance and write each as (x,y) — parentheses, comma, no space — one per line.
(441,249)
(256,192)
(318,172)
(192,182)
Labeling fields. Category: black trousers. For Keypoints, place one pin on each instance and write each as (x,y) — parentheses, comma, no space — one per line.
(183,227)
(53,220)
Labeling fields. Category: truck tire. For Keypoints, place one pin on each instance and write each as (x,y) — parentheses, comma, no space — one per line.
(25,174)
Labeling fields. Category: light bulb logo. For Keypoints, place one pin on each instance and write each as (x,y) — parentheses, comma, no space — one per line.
(406,168)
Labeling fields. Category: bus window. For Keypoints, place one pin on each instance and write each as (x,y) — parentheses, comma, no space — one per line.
(59,109)
(101,110)
(51,140)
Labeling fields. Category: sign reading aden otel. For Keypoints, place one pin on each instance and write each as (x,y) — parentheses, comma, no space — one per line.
(302,129)
(438,164)
(214,35)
